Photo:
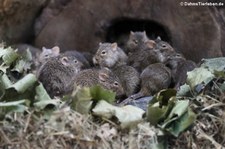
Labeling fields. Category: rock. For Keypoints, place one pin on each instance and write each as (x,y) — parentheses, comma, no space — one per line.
(53,8)
(141,103)
(197,32)
(17,19)
(193,31)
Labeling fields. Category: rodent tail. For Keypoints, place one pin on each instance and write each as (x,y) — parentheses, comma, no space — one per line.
(131,98)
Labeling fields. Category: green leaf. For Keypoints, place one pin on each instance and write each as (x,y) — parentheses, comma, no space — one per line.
(14,106)
(41,93)
(4,68)
(43,100)
(184,90)
(83,98)
(25,83)
(8,55)
(13,103)
(24,63)
(178,110)
(4,80)
(199,76)
(40,105)
(128,116)
(181,124)
(160,106)
(98,93)
(222,86)
(22,89)
(219,74)
(214,64)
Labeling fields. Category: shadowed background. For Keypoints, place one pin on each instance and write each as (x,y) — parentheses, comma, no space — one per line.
(197,32)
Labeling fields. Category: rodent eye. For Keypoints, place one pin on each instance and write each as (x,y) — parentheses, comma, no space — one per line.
(75,61)
(164,46)
(116,83)
(103,53)
(46,56)
(135,41)
(102,80)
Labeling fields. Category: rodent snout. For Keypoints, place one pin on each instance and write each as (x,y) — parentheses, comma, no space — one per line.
(95,60)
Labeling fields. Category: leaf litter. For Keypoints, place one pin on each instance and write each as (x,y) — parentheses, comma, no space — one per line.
(193,117)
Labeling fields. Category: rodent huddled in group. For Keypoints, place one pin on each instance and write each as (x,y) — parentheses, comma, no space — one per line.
(146,67)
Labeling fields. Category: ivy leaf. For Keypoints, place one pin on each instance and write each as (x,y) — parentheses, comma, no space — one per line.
(43,100)
(8,55)
(181,124)
(160,106)
(23,64)
(25,83)
(184,90)
(22,89)
(214,64)
(98,93)
(81,100)
(13,106)
(128,116)
(199,76)
(84,98)
(4,81)
(178,110)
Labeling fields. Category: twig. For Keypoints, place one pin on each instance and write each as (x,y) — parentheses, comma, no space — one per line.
(202,134)
(27,122)
(213,105)
(6,139)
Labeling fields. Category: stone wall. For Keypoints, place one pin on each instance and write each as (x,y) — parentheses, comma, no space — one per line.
(197,32)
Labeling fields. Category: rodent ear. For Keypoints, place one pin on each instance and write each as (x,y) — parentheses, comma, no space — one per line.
(150,43)
(104,74)
(43,48)
(65,60)
(100,43)
(114,46)
(131,32)
(144,32)
(56,49)
(158,38)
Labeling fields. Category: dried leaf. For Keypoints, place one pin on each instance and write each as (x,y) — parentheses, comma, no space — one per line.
(199,76)
(128,116)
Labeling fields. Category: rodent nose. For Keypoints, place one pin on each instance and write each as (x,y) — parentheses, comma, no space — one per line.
(95,60)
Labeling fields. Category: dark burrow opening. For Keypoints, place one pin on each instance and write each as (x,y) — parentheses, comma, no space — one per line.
(119,30)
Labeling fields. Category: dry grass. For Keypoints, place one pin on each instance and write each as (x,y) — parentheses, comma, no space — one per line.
(67,129)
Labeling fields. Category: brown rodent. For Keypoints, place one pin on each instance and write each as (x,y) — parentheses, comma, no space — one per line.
(104,77)
(79,56)
(55,51)
(136,41)
(154,78)
(89,58)
(109,55)
(165,50)
(142,58)
(179,67)
(150,52)
(113,57)
(56,74)
(129,77)
(48,53)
